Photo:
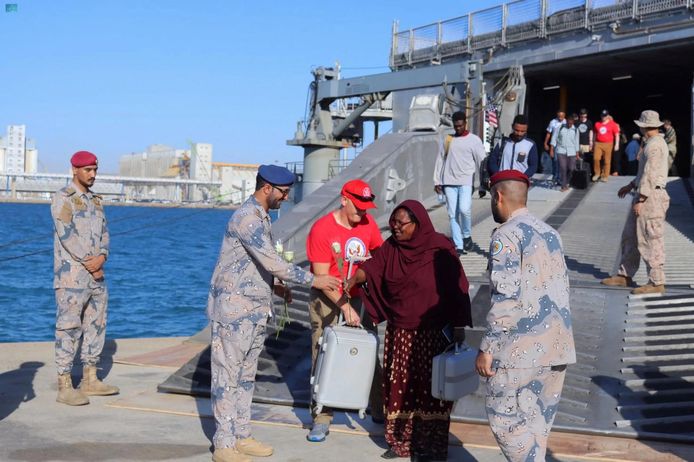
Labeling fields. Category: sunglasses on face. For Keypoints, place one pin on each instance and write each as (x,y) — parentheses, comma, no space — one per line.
(284,192)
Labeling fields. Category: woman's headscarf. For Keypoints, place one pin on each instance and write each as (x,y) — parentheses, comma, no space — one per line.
(418,282)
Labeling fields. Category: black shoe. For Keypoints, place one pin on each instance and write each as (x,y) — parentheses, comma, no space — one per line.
(481,193)
(467,243)
(460,252)
(390,454)
(379,420)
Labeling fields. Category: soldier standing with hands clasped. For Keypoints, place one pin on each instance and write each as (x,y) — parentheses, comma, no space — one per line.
(529,339)
(81,248)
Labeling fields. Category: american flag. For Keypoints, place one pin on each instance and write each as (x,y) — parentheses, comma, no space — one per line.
(490,115)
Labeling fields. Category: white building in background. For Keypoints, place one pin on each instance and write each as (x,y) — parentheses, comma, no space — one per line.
(157,161)
(201,161)
(161,161)
(238,181)
(17,153)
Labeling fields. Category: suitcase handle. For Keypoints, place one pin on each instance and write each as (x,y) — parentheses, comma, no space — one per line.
(459,347)
(351,259)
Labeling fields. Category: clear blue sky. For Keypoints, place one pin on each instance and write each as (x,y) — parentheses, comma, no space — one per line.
(116,76)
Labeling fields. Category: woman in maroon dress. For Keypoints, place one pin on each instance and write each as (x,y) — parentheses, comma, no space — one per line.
(417,284)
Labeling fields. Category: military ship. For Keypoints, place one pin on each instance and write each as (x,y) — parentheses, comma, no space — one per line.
(635,371)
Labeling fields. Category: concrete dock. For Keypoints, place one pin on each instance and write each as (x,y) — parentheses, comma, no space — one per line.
(141,424)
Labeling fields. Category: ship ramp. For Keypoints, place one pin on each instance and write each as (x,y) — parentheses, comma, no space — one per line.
(635,371)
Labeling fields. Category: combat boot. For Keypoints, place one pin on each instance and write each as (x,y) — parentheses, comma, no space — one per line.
(91,385)
(649,288)
(229,455)
(617,281)
(253,447)
(67,394)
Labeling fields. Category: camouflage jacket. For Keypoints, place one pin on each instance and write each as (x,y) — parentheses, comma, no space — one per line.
(653,166)
(242,282)
(80,232)
(529,324)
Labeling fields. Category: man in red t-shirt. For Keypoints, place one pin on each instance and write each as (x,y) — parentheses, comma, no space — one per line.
(606,139)
(342,233)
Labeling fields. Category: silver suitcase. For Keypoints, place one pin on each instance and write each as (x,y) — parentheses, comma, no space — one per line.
(344,369)
(453,373)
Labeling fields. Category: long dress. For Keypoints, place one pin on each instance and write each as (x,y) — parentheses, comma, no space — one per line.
(415,421)
(418,286)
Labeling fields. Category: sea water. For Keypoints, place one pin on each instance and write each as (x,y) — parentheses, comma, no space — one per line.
(158,272)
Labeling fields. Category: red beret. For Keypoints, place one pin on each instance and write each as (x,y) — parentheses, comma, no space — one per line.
(83,159)
(505,175)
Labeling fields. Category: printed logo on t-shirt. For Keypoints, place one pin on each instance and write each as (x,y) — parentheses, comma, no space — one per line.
(354,247)
(583,128)
(602,129)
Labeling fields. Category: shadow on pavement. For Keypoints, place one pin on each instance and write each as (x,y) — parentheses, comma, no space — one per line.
(17,387)
(585,268)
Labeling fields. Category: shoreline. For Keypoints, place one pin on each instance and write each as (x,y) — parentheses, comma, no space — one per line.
(5,200)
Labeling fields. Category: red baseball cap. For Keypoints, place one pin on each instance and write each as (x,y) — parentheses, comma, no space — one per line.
(359,192)
(506,175)
(83,159)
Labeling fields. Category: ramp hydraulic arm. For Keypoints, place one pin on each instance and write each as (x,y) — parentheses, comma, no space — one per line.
(322,138)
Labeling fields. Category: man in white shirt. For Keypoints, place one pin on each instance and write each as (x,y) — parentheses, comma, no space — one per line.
(456,165)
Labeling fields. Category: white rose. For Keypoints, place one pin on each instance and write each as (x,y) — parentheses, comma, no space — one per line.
(279,248)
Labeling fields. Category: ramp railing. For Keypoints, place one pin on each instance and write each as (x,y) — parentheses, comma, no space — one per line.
(516,21)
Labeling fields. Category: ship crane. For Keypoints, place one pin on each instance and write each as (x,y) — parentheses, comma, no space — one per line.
(324,136)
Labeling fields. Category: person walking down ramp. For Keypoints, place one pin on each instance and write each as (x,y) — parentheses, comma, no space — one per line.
(455,168)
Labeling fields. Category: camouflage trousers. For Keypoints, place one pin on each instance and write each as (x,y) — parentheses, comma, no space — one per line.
(81,315)
(234,359)
(323,313)
(521,405)
(644,237)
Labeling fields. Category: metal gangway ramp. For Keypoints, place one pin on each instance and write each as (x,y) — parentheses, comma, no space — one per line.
(635,371)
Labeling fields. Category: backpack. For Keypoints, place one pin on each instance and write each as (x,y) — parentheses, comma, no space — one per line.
(446,145)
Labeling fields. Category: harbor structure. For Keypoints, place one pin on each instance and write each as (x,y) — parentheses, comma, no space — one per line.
(237,180)
(234,181)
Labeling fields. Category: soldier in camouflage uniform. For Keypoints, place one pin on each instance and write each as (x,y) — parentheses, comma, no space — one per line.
(529,340)
(644,230)
(249,269)
(81,248)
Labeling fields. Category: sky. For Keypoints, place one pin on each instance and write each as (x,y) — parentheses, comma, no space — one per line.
(113,77)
